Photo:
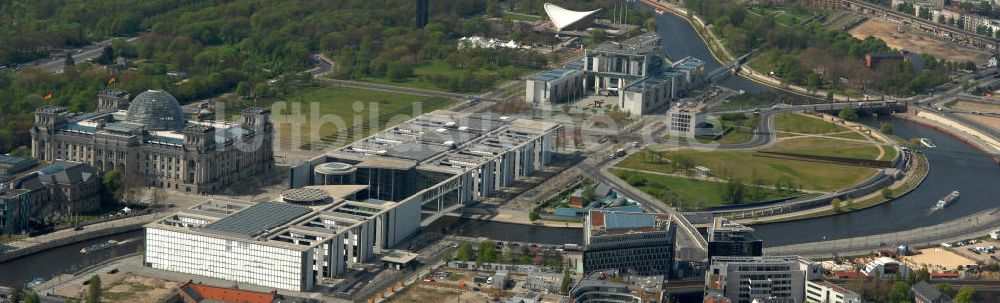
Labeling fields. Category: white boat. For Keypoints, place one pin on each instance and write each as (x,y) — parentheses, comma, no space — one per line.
(659,12)
(99,246)
(927,143)
(947,200)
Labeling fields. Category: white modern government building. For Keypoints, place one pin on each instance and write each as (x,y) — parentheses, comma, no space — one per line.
(633,69)
(354,203)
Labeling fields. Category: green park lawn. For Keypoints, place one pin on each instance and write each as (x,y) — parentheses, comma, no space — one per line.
(742,131)
(689,194)
(388,108)
(890,153)
(817,146)
(440,67)
(747,166)
(520,17)
(797,123)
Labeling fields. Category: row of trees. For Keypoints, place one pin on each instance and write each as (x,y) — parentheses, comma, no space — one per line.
(220,45)
(486,252)
(818,57)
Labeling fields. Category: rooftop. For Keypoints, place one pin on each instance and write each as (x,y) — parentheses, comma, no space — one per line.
(258,218)
(617,222)
(8,159)
(638,45)
(204,293)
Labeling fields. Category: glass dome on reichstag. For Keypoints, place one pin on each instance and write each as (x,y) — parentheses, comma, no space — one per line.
(157,110)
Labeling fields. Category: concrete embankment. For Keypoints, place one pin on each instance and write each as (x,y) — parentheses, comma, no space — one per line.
(65,237)
(969,136)
(976,225)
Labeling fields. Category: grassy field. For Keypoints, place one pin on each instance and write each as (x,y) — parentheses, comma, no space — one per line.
(809,175)
(890,153)
(747,166)
(796,123)
(509,16)
(817,146)
(742,131)
(339,103)
(439,67)
(850,135)
(688,194)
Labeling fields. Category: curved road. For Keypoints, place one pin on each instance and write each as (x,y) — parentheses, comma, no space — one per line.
(953,166)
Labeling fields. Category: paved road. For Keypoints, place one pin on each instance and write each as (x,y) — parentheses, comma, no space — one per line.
(973,226)
(55,63)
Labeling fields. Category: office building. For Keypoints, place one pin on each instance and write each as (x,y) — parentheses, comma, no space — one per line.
(821,291)
(727,238)
(635,243)
(610,66)
(59,189)
(559,85)
(377,192)
(148,139)
(600,287)
(767,278)
(655,92)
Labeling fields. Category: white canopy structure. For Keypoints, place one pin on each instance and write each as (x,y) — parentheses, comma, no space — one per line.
(563,18)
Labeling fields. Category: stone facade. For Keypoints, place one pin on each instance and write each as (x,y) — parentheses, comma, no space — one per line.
(142,140)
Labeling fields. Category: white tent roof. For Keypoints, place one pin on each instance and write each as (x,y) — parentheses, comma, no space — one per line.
(563,18)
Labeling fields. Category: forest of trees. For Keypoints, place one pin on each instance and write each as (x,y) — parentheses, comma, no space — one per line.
(818,57)
(234,45)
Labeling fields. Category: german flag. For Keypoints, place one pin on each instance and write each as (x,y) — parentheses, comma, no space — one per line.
(48,96)
(112,80)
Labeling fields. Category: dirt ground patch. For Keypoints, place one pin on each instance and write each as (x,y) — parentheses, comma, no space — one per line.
(969,106)
(917,41)
(125,287)
(423,294)
(937,259)
(991,122)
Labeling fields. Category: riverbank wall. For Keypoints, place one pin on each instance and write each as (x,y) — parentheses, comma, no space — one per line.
(107,229)
(954,134)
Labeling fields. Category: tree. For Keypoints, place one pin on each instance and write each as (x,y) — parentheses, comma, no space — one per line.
(946,289)
(965,295)
(848,114)
(651,25)
(493,9)
(835,204)
(464,252)
(111,185)
(923,274)
(533,216)
(887,193)
(107,56)
(886,128)
(244,89)
(487,252)
(446,256)
(566,281)
(69,60)
(597,36)
(900,292)
(94,291)
(16,294)
(31,298)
